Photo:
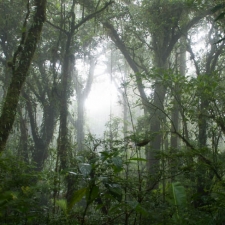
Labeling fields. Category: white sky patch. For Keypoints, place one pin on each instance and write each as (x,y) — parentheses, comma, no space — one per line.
(199,45)
(102,100)
(103,92)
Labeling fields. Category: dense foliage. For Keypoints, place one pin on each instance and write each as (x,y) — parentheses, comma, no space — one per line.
(160,158)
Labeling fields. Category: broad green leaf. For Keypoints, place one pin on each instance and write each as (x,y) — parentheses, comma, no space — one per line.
(80,158)
(62,204)
(179,197)
(117,161)
(77,196)
(57,5)
(92,193)
(116,208)
(132,204)
(85,168)
(116,191)
(141,210)
(179,194)
(105,155)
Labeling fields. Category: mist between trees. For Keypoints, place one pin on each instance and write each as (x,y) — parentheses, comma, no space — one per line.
(112,112)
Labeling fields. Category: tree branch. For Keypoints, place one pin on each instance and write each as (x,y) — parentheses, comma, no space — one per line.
(89,17)
(121,46)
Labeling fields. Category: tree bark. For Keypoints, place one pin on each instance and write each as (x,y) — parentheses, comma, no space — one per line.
(23,145)
(43,137)
(23,56)
(63,130)
(176,109)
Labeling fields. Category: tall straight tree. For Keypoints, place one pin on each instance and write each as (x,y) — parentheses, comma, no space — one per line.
(20,64)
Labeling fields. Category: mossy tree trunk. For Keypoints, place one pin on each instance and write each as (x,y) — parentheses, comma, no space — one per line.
(20,65)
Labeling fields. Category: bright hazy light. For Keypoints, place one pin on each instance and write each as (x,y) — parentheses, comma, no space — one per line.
(102,101)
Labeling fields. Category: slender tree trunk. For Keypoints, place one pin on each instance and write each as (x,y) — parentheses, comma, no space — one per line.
(157,116)
(202,177)
(63,130)
(23,145)
(176,109)
(80,122)
(125,115)
(39,153)
(125,103)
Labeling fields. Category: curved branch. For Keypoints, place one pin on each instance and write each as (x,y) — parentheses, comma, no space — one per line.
(90,16)
(121,46)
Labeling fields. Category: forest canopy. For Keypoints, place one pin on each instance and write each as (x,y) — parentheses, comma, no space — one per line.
(112,112)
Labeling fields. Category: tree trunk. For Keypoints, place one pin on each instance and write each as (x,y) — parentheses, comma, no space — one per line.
(43,137)
(157,116)
(23,145)
(175,111)
(63,130)
(80,122)
(23,56)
